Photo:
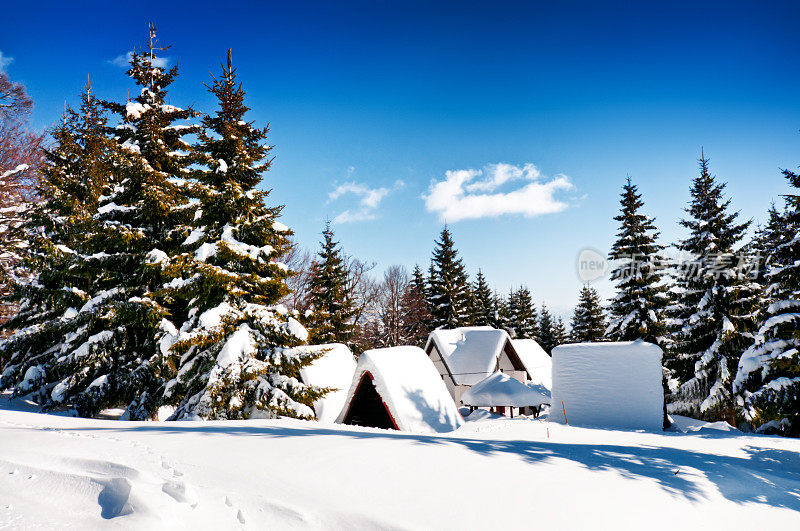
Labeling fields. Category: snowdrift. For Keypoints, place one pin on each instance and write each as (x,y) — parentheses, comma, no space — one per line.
(409,387)
(333,370)
(608,385)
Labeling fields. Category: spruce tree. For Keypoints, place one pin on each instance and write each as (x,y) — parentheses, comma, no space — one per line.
(588,321)
(637,311)
(331,303)
(234,357)
(414,314)
(55,305)
(715,311)
(560,335)
(548,338)
(482,311)
(449,288)
(768,379)
(525,319)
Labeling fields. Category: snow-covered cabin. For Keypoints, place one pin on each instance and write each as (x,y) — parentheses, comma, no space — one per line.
(608,385)
(465,356)
(334,370)
(537,362)
(399,388)
(500,392)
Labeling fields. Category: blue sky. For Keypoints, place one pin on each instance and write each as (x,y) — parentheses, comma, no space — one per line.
(371,104)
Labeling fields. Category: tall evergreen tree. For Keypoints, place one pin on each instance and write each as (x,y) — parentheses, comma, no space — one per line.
(415,316)
(234,355)
(331,303)
(482,302)
(548,334)
(449,288)
(525,318)
(768,379)
(715,312)
(588,321)
(55,305)
(560,335)
(637,311)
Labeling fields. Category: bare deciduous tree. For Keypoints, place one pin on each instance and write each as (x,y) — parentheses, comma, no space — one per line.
(395,283)
(20,157)
(300,261)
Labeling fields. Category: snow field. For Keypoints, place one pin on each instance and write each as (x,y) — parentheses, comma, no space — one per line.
(489,474)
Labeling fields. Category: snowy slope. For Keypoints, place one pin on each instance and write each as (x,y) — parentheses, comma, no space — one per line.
(490,474)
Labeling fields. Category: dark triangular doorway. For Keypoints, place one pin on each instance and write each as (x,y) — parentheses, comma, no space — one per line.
(367,408)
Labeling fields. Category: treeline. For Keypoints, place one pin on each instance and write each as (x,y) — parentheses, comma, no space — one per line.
(342,302)
(724,310)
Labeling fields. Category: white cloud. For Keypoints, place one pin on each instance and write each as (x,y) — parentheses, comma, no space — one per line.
(474,194)
(369,199)
(4,61)
(123,61)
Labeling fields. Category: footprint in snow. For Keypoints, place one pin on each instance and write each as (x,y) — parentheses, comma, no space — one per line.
(180,492)
(228,502)
(240,516)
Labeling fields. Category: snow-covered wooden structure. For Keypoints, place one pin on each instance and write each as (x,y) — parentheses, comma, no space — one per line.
(502,392)
(465,356)
(608,385)
(537,362)
(334,370)
(399,388)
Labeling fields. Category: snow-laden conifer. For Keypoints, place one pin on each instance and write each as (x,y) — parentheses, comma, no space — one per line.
(588,321)
(767,382)
(715,314)
(637,310)
(449,288)
(332,305)
(234,355)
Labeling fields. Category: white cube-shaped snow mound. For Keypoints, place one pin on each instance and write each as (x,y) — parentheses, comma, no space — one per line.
(615,385)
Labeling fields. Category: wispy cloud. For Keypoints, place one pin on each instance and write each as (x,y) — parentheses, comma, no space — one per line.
(484,193)
(124,60)
(369,199)
(4,61)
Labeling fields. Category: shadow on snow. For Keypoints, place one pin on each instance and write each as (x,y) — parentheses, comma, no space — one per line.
(764,476)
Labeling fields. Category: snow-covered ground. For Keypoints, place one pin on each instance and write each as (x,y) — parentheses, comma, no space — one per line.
(58,472)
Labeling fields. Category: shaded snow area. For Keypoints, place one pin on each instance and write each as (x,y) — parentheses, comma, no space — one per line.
(608,384)
(59,472)
(410,388)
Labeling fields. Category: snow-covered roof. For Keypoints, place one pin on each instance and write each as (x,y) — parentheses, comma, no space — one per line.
(537,362)
(470,352)
(410,387)
(499,389)
(608,384)
(335,370)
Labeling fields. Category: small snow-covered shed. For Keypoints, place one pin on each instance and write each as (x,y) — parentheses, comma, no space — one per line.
(465,356)
(334,369)
(499,391)
(608,385)
(399,388)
